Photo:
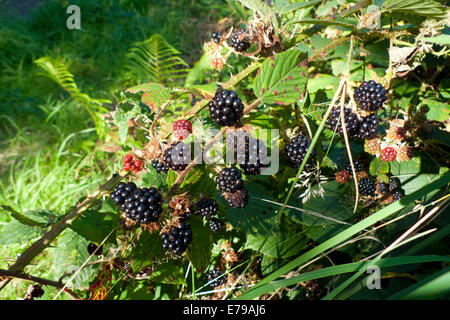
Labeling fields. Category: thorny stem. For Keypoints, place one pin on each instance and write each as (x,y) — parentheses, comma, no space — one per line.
(42,281)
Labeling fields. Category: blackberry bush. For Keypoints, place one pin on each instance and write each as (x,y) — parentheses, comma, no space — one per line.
(226,109)
(370,96)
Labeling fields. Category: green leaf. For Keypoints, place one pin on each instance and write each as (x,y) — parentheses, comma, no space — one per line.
(69,255)
(333,208)
(439,110)
(121,118)
(199,251)
(259,6)
(442,39)
(346,24)
(283,6)
(95,226)
(148,247)
(15,232)
(425,8)
(170,273)
(282,78)
(136,291)
(151,178)
(284,240)
(257,217)
(154,60)
(378,166)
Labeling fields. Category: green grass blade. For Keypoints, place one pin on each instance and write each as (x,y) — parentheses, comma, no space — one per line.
(432,287)
(348,233)
(346,268)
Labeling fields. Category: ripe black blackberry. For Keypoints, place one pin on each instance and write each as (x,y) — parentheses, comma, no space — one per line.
(366,187)
(159,166)
(230,180)
(397,194)
(382,188)
(215,224)
(92,247)
(368,127)
(178,238)
(249,153)
(143,205)
(370,96)
(213,278)
(216,37)
(394,183)
(122,191)
(356,164)
(238,199)
(296,150)
(177,156)
(350,118)
(226,108)
(239,45)
(207,207)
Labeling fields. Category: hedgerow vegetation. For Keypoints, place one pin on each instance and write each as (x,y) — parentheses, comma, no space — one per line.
(358,91)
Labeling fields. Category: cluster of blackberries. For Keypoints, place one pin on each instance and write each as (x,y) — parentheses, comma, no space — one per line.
(208,208)
(216,36)
(296,150)
(394,187)
(177,156)
(215,278)
(178,238)
(230,182)
(364,128)
(239,45)
(159,166)
(370,96)
(249,153)
(142,205)
(226,109)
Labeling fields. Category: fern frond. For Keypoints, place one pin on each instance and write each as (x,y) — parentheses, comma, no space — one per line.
(154,60)
(57,71)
